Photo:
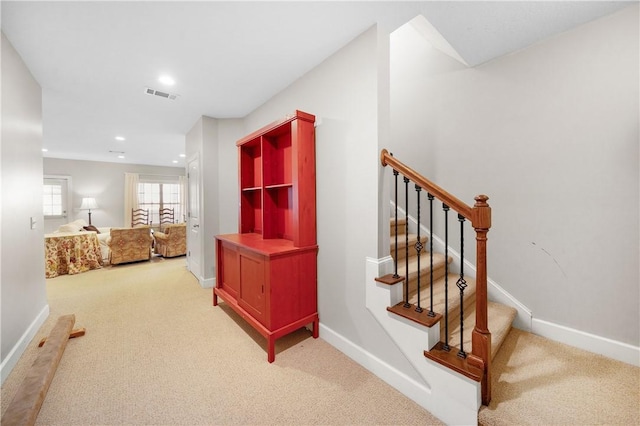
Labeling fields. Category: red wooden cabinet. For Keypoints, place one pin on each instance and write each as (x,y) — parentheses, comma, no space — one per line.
(268,271)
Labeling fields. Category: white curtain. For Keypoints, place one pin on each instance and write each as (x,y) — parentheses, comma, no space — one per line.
(183,199)
(130,196)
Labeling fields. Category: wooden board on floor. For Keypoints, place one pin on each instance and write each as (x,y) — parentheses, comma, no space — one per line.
(26,404)
(74,333)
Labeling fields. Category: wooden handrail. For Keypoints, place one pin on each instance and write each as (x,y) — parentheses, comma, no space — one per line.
(480,217)
(387,159)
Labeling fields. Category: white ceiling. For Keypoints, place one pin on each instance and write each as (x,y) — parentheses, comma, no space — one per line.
(94,59)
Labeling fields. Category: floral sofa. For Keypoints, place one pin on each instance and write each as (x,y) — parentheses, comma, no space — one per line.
(129,244)
(172,241)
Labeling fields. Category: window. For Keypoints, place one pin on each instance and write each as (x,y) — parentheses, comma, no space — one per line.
(154,196)
(54,198)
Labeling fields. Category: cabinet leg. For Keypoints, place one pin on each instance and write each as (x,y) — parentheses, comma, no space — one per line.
(316,328)
(271,349)
(215,298)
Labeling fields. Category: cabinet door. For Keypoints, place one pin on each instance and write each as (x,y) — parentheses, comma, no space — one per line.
(230,273)
(252,285)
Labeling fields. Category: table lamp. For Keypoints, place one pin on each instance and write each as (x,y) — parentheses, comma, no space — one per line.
(89,203)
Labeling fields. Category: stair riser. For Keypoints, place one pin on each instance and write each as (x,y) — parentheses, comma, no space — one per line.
(402,253)
(402,228)
(453,296)
(402,244)
(454,318)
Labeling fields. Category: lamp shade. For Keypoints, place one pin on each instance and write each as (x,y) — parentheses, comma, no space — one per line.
(88,203)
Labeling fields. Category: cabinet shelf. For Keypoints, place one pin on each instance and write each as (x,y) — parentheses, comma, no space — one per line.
(267,272)
(281,185)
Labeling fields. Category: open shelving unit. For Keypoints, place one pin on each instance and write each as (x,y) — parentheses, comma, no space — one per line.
(267,272)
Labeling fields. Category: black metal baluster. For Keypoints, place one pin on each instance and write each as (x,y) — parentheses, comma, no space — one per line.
(462,284)
(446,277)
(418,249)
(431,313)
(406,245)
(395,258)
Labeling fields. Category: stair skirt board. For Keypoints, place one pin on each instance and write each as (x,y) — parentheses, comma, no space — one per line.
(452,397)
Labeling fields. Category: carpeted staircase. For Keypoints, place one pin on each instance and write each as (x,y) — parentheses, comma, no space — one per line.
(500,316)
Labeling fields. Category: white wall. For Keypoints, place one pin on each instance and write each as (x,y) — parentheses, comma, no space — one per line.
(229,131)
(23,297)
(213,140)
(105,182)
(209,201)
(550,133)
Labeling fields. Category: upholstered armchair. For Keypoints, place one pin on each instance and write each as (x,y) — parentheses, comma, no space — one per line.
(173,241)
(129,244)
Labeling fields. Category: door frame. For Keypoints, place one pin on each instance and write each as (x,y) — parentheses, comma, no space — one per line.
(194,265)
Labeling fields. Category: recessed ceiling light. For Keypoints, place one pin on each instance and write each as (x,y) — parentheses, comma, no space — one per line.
(165,79)
(45,150)
(120,138)
(120,156)
(182,155)
(175,161)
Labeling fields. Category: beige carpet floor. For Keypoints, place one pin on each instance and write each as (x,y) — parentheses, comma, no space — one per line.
(541,382)
(156,352)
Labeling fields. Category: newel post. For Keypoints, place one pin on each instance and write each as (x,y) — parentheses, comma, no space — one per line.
(481,337)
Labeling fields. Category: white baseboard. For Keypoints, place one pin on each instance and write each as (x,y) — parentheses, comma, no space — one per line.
(589,342)
(207,282)
(406,385)
(14,355)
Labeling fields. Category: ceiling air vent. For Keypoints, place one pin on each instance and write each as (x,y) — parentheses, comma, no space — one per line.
(170,96)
